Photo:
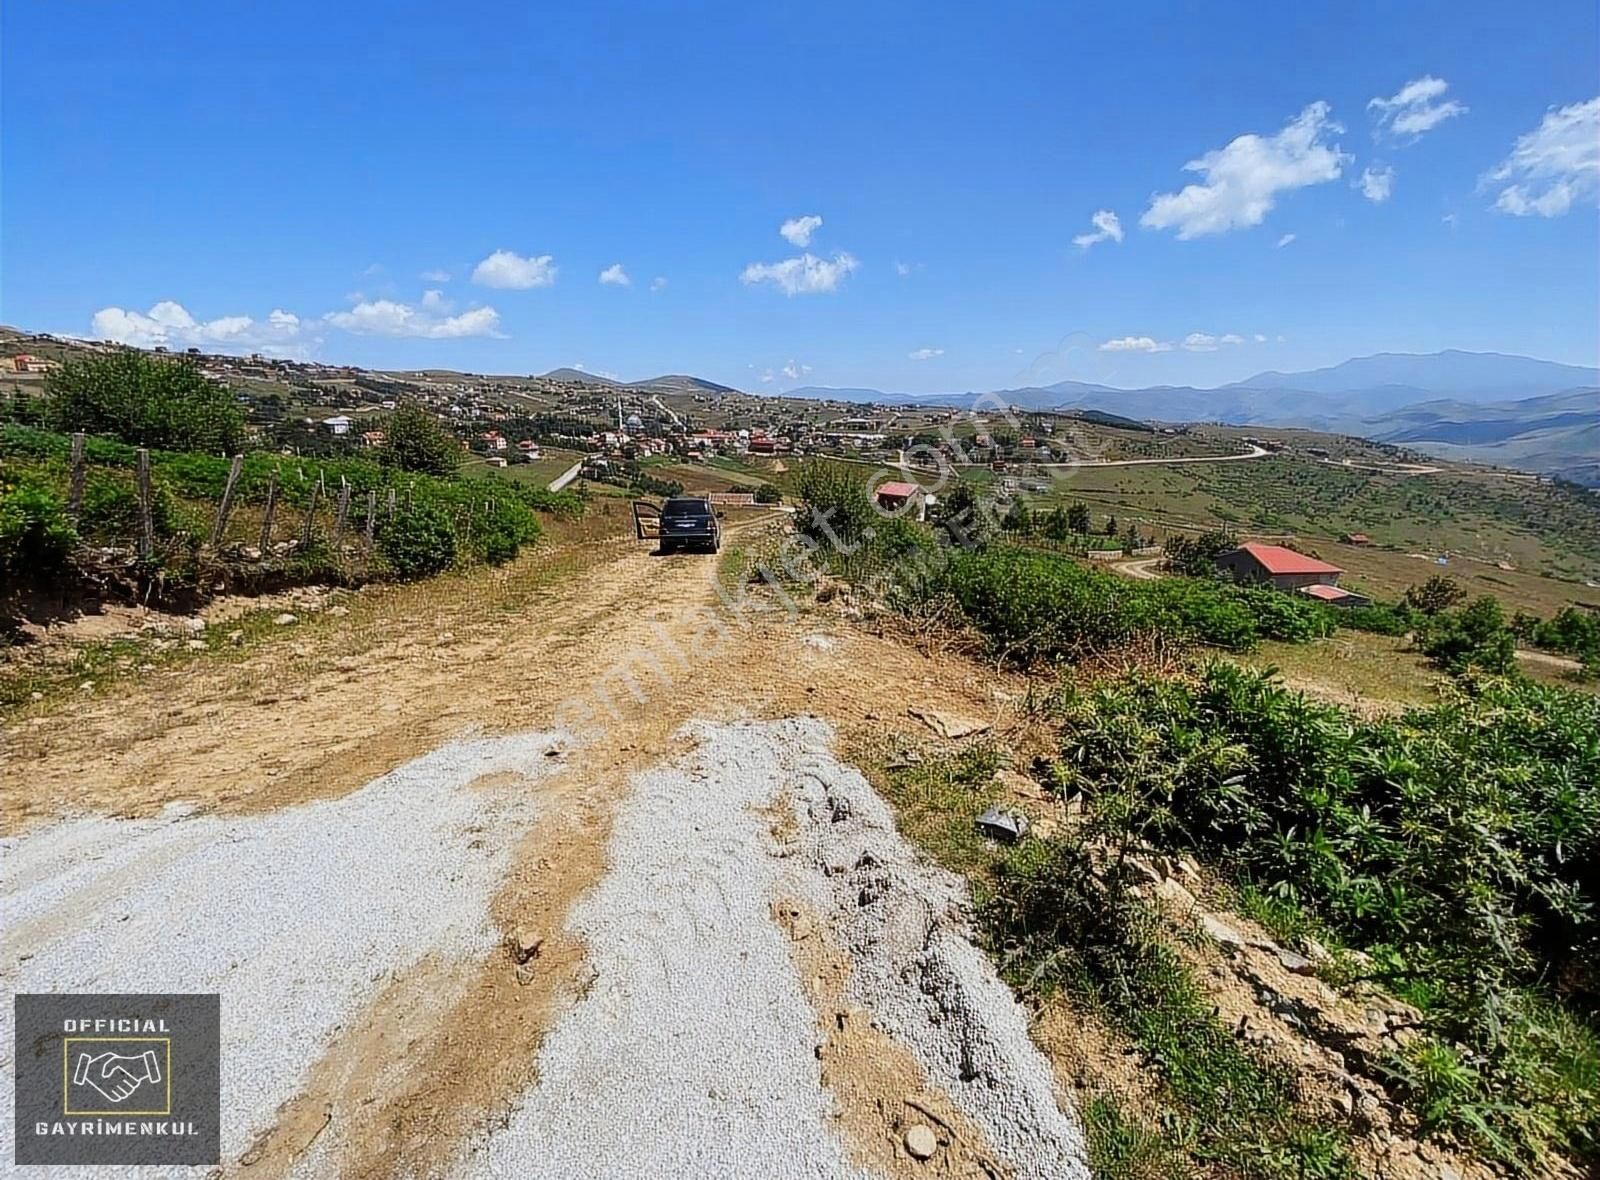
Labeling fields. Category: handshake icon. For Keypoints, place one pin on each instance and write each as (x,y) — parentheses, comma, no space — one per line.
(115,1075)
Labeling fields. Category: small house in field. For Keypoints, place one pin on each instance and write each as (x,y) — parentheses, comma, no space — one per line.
(1276,566)
(1334,595)
(901,499)
(1356,539)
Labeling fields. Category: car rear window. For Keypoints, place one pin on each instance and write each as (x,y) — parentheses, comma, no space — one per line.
(686,508)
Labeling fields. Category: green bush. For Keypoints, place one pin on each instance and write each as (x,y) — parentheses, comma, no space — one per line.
(1378,619)
(415,440)
(1476,636)
(1458,845)
(36,535)
(1033,605)
(146,401)
(418,543)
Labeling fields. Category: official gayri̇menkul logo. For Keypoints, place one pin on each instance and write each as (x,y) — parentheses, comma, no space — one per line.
(118,1079)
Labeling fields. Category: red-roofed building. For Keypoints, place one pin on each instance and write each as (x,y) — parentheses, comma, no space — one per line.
(901,499)
(1334,595)
(1277,566)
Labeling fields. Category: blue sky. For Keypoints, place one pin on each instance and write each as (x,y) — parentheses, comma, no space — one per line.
(299,178)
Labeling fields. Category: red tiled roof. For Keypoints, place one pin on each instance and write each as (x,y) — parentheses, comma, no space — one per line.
(898,491)
(1326,593)
(1275,559)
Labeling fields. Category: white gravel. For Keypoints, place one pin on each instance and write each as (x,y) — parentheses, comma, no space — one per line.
(298,917)
(915,969)
(693,1051)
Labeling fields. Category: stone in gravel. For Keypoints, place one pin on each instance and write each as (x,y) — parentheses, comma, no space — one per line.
(337,612)
(921,1142)
(195,644)
(948,725)
(1220,931)
(1175,895)
(285,619)
(1298,964)
(236,637)
(195,625)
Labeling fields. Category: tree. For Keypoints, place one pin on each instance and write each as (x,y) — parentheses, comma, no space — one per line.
(1078,517)
(1437,594)
(1476,636)
(767,494)
(145,400)
(963,517)
(1018,519)
(414,440)
(1111,526)
(1196,557)
(1056,527)
(1131,539)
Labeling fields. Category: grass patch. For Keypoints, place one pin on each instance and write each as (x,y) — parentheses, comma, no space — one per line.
(1059,922)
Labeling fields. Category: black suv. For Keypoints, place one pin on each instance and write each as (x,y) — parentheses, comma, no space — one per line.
(688,521)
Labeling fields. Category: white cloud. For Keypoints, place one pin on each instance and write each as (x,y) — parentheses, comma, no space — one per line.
(1107,227)
(767,377)
(925,354)
(435,276)
(433,300)
(615,276)
(1134,344)
(903,269)
(1416,107)
(798,230)
(169,325)
(794,370)
(1205,342)
(805,275)
(1260,339)
(1243,180)
(1286,240)
(1376,183)
(509,270)
(385,317)
(1554,166)
(659,283)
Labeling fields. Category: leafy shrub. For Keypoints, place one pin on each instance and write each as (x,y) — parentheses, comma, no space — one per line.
(1437,594)
(1196,557)
(1378,619)
(36,535)
(1034,605)
(415,440)
(146,401)
(833,504)
(418,543)
(1060,923)
(1476,636)
(768,494)
(1459,845)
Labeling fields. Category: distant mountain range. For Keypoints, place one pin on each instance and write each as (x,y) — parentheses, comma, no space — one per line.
(1481,406)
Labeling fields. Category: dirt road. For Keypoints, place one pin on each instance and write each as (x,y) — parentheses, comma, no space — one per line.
(548,871)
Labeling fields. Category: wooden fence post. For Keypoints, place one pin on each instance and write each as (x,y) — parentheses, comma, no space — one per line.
(372,515)
(391,501)
(311,515)
(344,511)
(147,531)
(266,518)
(227,500)
(75,482)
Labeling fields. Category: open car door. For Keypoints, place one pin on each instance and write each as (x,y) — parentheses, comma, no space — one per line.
(646,520)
